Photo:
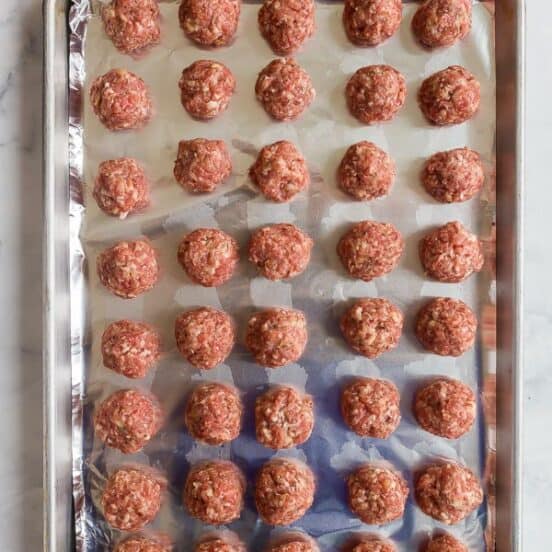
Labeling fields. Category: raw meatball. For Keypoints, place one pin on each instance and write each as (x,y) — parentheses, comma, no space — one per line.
(370,249)
(121,100)
(295,546)
(209,256)
(220,542)
(446,326)
(127,420)
(374,546)
(293,542)
(154,543)
(445,407)
(284,491)
(451,253)
(442,22)
(371,22)
(214,492)
(366,172)
(284,89)
(377,495)
(214,413)
(372,326)
(286,24)
(210,23)
(130,348)
(371,543)
(201,165)
(447,492)
(129,268)
(454,175)
(280,172)
(205,336)
(444,543)
(284,418)
(370,407)
(280,251)
(206,88)
(450,96)
(277,336)
(132,497)
(121,187)
(132,25)
(375,93)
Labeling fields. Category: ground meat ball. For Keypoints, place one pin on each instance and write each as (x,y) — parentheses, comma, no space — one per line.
(121,187)
(132,25)
(451,253)
(284,491)
(280,251)
(225,542)
(445,407)
(156,543)
(444,543)
(293,542)
(446,326)
(286,24)
(447,492)
(372,544)
(280,172)
(132,497)
(454,175)
(209,256)
(201,165)
(371,22)
(128,269)
(206,87)
(370,249)
(277,336)
(210,23)
(127,420)
(370,407)
(214,492)
(205,336)
(284,418)
(214,413)
(296,546)
(121,100)
(130,348)
(372,326)
(375,93)
(450,96)
(442,22)
(284,89)
(377,495)
(366,172)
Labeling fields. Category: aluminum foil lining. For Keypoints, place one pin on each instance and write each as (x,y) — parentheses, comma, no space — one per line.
(322,134)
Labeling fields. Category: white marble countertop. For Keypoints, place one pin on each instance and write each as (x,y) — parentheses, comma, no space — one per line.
(21,266)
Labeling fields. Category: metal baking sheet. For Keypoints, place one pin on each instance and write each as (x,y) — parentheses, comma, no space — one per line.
(57,275)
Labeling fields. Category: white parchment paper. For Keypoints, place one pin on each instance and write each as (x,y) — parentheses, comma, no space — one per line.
(322,134)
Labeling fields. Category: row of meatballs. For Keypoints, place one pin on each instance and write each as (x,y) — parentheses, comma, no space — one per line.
(278,336)
(368,250)
(284,417)
(374,94)
(290,541)
(280,172)
(134,25)
(284,490)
